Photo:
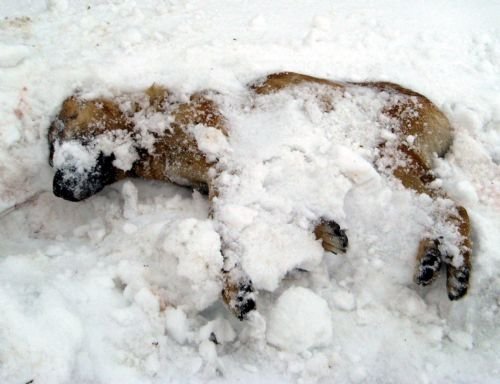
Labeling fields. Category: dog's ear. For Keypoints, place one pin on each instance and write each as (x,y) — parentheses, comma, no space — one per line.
(70,107)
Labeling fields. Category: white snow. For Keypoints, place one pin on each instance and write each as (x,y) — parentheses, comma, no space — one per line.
(176,324)
(298,330)
(124,287)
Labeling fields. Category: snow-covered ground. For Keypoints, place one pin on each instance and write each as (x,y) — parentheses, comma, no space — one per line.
(114,290)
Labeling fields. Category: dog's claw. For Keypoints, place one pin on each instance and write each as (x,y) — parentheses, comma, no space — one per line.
(458,276)
(457,281)
(239,297)
(429,261)
(333,238)
(245,301)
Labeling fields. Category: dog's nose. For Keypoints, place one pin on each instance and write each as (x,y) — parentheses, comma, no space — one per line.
(66,188)
(73,184)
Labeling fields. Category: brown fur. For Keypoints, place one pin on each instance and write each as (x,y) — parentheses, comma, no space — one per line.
(177,158)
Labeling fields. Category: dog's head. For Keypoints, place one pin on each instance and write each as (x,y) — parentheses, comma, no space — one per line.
(83,164)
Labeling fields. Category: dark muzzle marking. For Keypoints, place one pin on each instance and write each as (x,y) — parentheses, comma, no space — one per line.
(71,184)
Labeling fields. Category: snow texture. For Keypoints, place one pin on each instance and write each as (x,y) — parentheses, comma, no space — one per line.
(298,331)
(114,289)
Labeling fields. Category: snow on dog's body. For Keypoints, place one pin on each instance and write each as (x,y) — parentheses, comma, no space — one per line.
(239,148)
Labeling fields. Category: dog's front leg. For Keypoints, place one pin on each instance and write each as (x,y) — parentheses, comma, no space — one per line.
(333,238)
(237,291)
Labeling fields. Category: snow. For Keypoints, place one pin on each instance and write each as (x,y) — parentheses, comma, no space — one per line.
(114,289)
(297,331)
(176,324)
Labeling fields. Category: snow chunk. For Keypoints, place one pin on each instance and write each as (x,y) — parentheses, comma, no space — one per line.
(82,157)
(176,324)
(125,156)
(353,166)
(466,192)
(237,216)
(344,300)
(211,141)
(218,330)
(273,250)
(207,351)
(299,321)
(192,249)
(147,301)
(130,196)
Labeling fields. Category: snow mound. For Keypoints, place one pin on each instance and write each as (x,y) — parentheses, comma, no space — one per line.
(300,320)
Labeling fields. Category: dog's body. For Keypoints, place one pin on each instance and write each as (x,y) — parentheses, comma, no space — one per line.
(174,155)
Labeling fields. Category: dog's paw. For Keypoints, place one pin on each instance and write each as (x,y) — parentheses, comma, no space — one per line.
(458,270)
(457,282)
(333,238)
(239,296)
(429,261)
(430,258)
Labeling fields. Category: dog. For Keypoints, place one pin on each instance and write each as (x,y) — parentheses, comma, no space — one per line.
(170,152)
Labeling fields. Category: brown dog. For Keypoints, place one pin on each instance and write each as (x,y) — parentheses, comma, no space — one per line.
(173,154)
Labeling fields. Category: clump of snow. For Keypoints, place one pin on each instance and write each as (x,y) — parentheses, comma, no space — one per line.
(193,249)
(147,301)
(82,157)
(218,331)
(130,197)
(181,260)
(344,300)
(211,141)
(273,250)
(299,320)
(176,324)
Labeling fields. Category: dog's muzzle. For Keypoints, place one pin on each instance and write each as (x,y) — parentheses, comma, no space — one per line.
(75,185)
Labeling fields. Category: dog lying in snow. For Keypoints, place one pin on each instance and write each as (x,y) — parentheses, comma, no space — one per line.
(109,143)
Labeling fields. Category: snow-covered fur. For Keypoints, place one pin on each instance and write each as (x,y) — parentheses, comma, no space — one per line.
(157,135)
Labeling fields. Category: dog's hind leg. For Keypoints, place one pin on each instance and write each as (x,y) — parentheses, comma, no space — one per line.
(458,268)
(411,164)
(432,253)
(429,261)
